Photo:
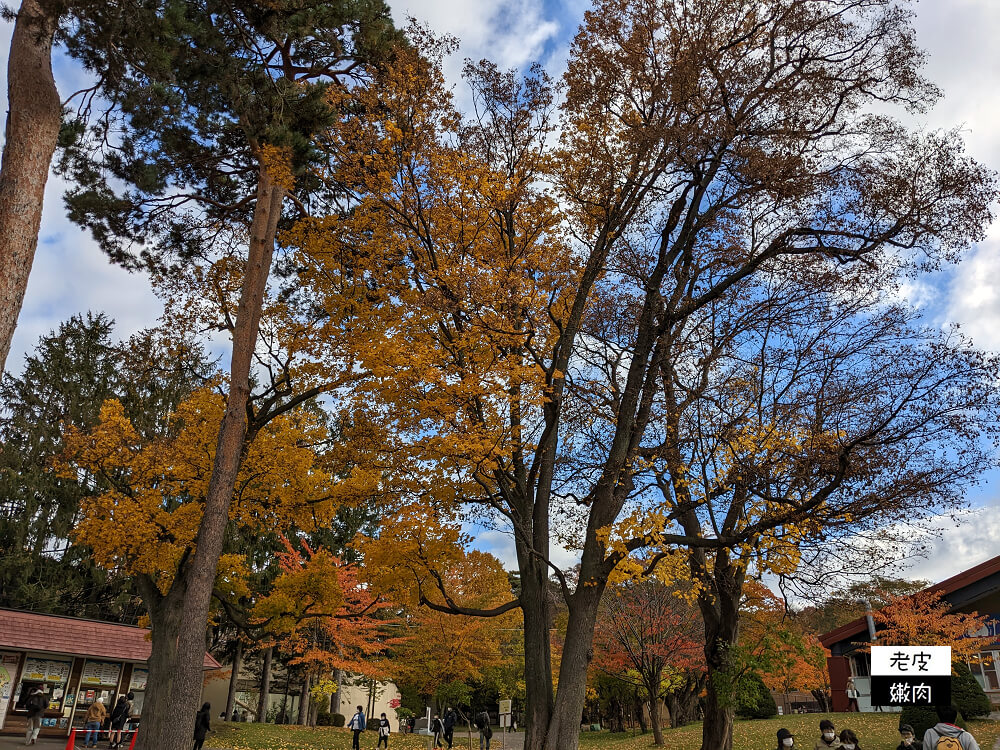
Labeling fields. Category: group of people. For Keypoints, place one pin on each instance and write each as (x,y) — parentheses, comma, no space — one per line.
(945,735)
(358,724)
(93,720)
(444,728)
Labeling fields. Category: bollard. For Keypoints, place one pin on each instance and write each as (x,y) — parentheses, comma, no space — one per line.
(72,739)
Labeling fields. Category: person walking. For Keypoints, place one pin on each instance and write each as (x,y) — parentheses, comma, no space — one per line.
(485,730)
(946,735)
(357,725)
(437,728)
(852,696)
(119,715)
(202,725)
(35,705)
(92,723)
(383,731)
(450,719)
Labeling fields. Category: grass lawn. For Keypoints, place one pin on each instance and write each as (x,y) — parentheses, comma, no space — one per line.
(875,732)
(239,736)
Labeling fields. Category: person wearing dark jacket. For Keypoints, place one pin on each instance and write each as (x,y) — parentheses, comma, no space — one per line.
(450,719)
(485,730)
(437,728)
(383,731)
(119,715)
(202,725)
(908,739)
(35,705)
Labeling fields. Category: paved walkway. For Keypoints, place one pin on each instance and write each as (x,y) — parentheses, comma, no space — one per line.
(12,741)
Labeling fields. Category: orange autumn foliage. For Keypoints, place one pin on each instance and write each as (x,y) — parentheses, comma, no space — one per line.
(926,619)
(147,520)
(322,615)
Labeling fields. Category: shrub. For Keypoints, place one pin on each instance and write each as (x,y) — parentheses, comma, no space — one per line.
(921,718)
(753,699)
(966,692)
(339,720)
(323,716)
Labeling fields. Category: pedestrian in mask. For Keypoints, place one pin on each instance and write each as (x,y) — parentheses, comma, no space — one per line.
(849,740)
(786,739)
(827,737)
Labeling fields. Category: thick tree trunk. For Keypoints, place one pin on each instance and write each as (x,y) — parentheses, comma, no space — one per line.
(564,727)
(200,575)
(264,702)
(537,653)
(34,115)
(303,718)
(233,679)
(166,626)
(721,634)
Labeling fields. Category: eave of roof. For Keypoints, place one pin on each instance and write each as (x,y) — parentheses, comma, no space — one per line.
(947,586)
(59,634)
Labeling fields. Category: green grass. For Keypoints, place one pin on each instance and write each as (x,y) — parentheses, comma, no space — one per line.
(239,736)
(875,732)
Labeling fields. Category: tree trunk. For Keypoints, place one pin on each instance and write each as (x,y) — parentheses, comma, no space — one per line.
(537,653)
(338,676)
(264,702)
(564,727)
(640,713)
(722,622)
(654,718)
(165,623)
(304,701)
(34,114)
(234,678)
(200,575)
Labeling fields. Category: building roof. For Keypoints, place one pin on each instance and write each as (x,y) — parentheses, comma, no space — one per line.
(56,634)
(947,586)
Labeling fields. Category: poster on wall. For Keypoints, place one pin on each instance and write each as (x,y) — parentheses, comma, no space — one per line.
(100,673)
(139,678)
(46,670)
(8,673)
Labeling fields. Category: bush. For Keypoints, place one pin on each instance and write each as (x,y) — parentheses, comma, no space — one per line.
(966,692)
(753,699)
(323,716)
(339,720)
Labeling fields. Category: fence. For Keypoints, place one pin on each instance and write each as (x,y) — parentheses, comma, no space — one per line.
(71,742)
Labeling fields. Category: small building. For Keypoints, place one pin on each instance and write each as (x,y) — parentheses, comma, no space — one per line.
(974,590)
(79,661)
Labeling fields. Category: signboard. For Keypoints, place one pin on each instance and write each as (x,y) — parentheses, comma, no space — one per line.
(46,670)
(139,678)
(505,713)
(8,672)
(911,675)
(100,673)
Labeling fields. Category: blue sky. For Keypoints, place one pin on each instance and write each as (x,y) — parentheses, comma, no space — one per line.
(70,274)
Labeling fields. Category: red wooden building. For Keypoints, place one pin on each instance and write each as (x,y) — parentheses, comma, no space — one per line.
(79,661)
(974,590)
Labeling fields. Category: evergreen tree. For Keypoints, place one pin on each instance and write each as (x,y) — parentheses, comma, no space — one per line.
(73,370)
(753,699)
(967,694)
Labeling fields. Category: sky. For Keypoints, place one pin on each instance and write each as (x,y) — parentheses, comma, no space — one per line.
(71,275)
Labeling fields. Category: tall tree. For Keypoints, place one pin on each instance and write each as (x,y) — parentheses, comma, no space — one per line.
(34,116)
(557,333)
(211,143)
(73,371)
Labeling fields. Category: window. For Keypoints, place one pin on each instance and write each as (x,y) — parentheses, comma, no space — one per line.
(860,665)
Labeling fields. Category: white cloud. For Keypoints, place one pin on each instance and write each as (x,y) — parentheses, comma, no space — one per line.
(968,539)
(501,545)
